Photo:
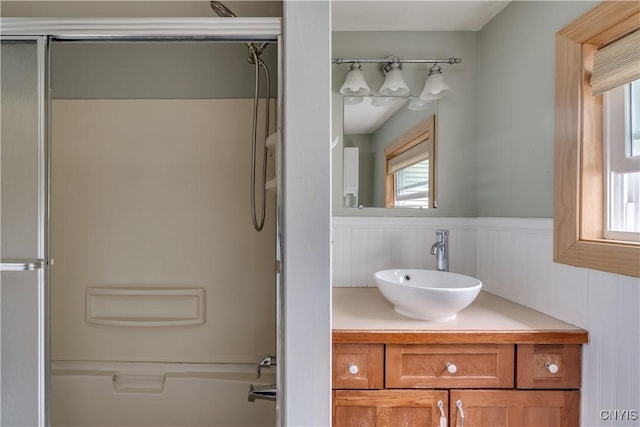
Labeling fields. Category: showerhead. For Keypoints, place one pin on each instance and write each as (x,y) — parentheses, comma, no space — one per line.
(222,10)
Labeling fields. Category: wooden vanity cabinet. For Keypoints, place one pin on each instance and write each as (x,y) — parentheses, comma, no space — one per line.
(491,384)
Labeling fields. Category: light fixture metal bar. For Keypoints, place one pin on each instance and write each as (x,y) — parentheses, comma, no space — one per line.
(452,60)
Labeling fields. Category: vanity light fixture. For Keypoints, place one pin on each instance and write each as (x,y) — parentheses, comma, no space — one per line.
(383,101)
(354,83)
(418,104)
(436,86)
(394,84)
(352,100)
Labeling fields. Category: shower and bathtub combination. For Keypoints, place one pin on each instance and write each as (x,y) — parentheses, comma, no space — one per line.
(154,188)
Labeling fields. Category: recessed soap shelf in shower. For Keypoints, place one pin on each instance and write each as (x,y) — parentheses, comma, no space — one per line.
(141,306)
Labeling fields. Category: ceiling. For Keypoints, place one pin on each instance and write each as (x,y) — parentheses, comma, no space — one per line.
(365,118)
(413,15)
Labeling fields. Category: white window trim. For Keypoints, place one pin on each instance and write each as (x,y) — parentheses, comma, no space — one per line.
(616,127)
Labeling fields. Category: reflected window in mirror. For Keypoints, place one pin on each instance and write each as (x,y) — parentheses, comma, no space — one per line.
(409,177)
(412,186)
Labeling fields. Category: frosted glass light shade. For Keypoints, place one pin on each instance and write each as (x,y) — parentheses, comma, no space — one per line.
(418,104)
(436,86)
(354,83)
(352,100)
(428,96)
(394,84)
(382,101)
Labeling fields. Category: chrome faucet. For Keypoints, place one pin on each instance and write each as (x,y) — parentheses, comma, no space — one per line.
(441,250)
(262,392)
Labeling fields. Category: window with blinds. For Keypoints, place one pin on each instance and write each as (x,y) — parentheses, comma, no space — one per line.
(616,75)
(584,54)
(409,165)
(621,125)
(412,186)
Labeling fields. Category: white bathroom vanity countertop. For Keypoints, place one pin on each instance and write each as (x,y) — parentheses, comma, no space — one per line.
(363,315)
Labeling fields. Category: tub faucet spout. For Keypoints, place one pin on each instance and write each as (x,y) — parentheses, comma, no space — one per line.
(441,250)
(262,392)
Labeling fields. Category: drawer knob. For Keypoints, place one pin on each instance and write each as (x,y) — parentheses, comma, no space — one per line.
(353,369)
(451,368)
(552,367)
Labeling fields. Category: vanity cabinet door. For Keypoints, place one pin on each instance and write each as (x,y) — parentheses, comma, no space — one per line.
(506,408)
(389,408)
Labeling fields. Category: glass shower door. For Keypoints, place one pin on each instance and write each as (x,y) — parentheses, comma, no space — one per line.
(22,234)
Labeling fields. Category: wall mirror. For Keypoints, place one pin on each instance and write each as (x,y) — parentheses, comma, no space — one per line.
(388,152)
(454,185)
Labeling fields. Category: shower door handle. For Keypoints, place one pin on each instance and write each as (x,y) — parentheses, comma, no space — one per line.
(21,265)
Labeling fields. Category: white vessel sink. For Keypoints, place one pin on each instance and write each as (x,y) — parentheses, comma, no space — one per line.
(427,294)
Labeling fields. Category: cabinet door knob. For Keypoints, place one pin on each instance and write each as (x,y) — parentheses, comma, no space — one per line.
(353,369)
(552,367)
(451,368)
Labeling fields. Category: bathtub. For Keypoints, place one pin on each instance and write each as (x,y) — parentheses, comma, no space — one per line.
(124,394)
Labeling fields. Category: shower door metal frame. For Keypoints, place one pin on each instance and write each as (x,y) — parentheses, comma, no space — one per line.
(41,263)
(136,29)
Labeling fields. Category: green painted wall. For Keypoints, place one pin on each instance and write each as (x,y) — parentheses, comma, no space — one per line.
(515,107)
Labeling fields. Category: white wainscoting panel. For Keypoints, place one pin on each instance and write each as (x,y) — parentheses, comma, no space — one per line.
(362,246)
(515,260)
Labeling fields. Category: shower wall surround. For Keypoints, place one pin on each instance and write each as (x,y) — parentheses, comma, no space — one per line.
(185,70)
(153,194)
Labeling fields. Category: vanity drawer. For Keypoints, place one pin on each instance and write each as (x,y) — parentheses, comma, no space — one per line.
(548,366)
(358,366)
(450,366)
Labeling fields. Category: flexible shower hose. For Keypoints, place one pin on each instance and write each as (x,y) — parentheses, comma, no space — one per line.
(259,224)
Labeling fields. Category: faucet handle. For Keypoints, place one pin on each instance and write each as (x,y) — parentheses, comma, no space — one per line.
(267,361)
(442,234)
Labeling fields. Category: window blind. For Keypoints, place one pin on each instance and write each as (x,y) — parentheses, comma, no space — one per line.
(616,64)
(410,157)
